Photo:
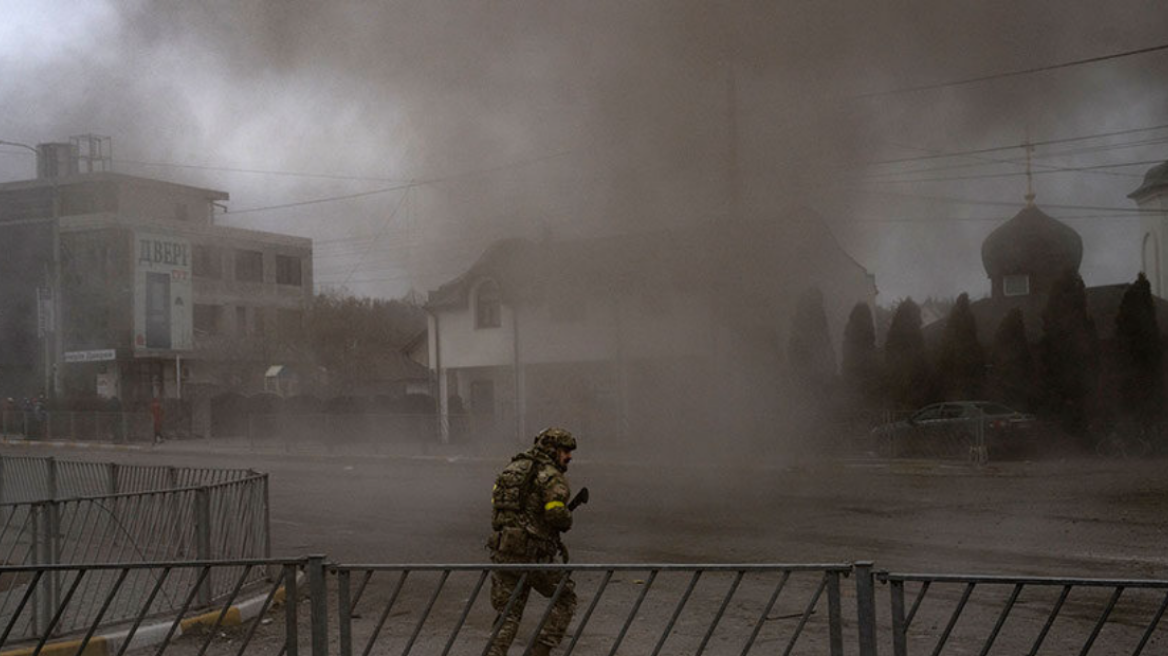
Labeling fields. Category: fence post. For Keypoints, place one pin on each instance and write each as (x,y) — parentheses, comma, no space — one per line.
(37,600)
(112,477)
(899,630)
(835,615)
(865,607)
(318,597)
(291,632)
(203,537)
(267,527)
(51,478)
(344,613)
(46,556)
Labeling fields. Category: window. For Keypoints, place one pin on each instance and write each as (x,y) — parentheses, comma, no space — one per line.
(1016,285)
(249,266)
(258,325)
(206,262)
(240,320)
(931,413)
(288,270)
(488,305)
(206,319)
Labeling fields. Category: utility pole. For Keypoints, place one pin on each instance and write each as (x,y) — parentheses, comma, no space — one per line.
(52,323)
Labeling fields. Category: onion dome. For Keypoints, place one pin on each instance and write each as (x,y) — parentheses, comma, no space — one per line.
(1155,179)
(1032,243)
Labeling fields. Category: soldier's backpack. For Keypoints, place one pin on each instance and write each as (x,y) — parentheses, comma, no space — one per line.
(513,484)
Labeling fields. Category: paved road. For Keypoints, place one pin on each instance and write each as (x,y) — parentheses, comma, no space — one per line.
(1069,517)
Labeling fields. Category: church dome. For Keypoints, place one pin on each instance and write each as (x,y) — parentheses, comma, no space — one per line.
(1032,243)
(1155,178)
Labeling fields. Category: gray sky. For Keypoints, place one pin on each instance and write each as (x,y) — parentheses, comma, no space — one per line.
(449,123)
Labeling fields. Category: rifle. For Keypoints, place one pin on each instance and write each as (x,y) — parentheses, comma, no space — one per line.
(580,499)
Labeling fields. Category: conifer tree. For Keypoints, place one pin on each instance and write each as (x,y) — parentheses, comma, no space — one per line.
(809,348)
(906,366)
(1070,354)
(861,366)
(1012,374)
(961,360)
(1140,363)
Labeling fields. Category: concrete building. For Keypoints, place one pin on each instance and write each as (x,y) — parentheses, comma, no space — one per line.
(151,297)
(638,339)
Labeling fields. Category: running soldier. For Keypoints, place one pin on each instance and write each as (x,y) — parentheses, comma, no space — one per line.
(529,512)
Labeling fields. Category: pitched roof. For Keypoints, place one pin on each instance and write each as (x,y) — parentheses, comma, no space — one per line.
(728,257)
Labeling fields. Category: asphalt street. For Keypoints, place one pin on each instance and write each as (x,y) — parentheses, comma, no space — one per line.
(1061,517)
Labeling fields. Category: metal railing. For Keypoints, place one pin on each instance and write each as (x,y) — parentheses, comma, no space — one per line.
(647,609)
(126,514)
(149,604)
(224,521)
(1023,615)
(91,425)
(630,609)
(39,478)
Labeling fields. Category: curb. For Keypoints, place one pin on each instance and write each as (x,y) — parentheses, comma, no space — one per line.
(63,444)
(153,634)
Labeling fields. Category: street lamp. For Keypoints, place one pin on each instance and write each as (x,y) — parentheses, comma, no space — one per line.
(52,327)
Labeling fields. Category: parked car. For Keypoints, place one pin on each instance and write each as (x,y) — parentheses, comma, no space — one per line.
(951,429)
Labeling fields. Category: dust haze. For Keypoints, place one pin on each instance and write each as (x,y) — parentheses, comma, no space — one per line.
(441,126)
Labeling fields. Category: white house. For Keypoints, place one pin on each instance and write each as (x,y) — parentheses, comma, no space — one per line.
(1152,199)
(633,339)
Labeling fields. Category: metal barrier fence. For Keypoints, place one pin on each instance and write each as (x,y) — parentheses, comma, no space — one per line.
(1023,615)
(89,597)
(93,426)
(224,521)
(647,609)
(629,609)
(125,514)
(37,478)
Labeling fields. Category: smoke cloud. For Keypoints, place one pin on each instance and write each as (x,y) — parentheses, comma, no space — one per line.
(498,119)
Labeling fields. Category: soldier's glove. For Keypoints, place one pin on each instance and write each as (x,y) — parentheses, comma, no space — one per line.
(580,499)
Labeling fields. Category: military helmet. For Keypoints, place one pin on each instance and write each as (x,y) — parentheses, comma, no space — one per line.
(556,438)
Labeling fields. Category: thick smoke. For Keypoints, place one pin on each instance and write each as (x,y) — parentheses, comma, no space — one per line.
(567,119)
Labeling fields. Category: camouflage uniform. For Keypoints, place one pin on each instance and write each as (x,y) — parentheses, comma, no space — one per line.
(529,512)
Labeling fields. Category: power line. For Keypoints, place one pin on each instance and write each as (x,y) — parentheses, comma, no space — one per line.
(329,199)
(408,185)
(1050,169)
(989,161)
(979,151)
(1026,71)
(384,225)
(1135,211)
(228,169)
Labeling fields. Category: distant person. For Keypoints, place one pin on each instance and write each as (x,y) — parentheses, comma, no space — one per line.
(529,511)
(156,413)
